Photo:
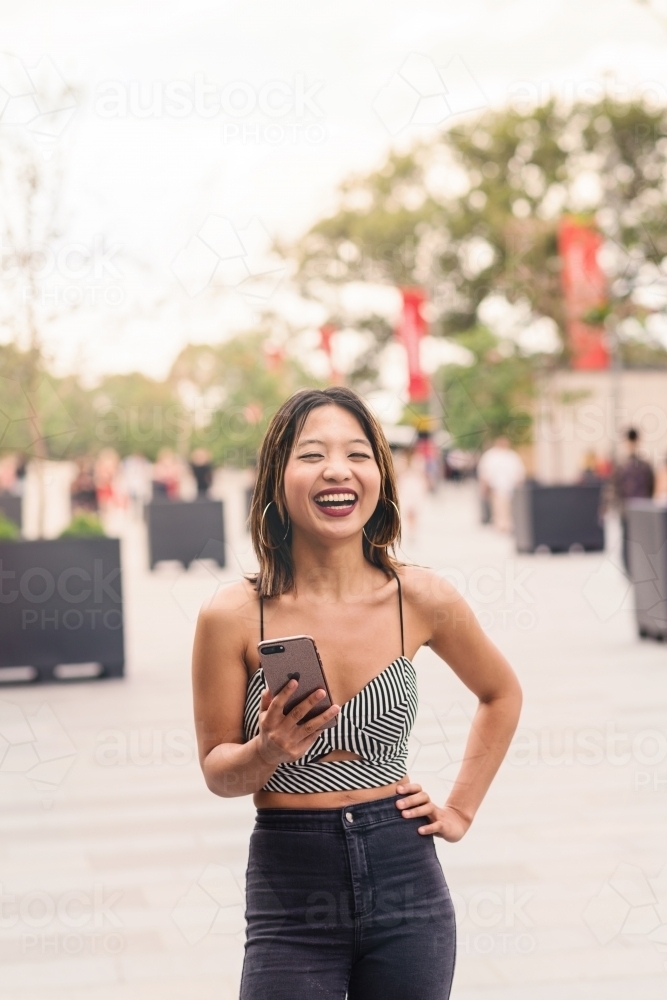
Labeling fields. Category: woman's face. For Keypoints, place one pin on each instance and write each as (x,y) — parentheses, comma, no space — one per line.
(332,481)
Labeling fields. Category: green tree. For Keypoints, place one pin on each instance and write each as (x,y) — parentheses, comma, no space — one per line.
(39,412)
(135,413)
(232,390)
(490,397)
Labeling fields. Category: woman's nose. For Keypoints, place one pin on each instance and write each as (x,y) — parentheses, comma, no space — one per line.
(337,470)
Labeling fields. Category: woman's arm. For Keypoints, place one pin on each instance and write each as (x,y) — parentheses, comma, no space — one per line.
(457,637)
(219,677)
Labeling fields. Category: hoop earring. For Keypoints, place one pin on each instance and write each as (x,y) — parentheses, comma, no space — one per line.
(271,548)
(385,545)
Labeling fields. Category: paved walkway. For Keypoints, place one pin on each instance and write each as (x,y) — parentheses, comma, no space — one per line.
(122,875)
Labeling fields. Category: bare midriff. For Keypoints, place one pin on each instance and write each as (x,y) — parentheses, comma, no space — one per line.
(323,800)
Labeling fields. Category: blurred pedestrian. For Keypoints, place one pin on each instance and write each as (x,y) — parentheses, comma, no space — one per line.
(499,471)
(167,474)
(106,470)
(429,457)
(136,477)
(8,473)
(605,467)
(589,472)
(457,464)
(412,489)
(202,469)
(83,489)
(633,479)
(660,491)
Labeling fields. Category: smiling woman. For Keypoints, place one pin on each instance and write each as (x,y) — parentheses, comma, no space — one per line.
(335,418)
(344,889)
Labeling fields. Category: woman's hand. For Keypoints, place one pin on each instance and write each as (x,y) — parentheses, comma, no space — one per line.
(281,739)
(445,821)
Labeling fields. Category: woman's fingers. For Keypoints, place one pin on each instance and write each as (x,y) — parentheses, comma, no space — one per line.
(409,801)
(432,828)
(283,730)
(304,707)
(412,795)
(406,788)
(311,730)
(278,702)
(424,810)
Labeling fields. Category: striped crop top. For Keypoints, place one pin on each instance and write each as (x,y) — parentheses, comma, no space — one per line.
(375,724)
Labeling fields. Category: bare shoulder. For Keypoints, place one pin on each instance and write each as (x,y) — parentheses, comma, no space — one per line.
(423,588)
(233,611)
(239,598)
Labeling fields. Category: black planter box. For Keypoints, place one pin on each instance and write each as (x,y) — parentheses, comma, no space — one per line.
(647,555)
(185,530)
(10,505)
(61,602)
(558,517)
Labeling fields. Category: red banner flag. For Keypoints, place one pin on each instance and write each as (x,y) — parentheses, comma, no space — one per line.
(326,333)
(409,332)
(584,289)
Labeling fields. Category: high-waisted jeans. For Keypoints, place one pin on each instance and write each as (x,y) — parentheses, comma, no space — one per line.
(346,903)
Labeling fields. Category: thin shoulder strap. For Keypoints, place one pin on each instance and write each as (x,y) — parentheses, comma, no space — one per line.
(261,618)
(400,612)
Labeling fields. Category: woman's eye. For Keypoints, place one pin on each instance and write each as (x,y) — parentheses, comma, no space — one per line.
(311,454)
(359,454)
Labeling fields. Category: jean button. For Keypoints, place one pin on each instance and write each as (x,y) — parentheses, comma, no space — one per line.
(349,817)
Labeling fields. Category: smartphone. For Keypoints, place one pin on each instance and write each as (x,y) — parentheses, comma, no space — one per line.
(295,658)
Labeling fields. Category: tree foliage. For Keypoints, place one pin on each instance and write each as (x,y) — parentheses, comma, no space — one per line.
(475,211)
(232,391)
(490,397)
(220,396)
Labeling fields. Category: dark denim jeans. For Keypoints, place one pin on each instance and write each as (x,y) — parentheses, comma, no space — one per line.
(346,903)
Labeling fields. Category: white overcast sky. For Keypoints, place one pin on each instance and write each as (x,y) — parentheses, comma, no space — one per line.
(151,183)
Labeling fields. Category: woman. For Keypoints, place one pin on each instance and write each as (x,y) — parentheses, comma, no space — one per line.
(345,895)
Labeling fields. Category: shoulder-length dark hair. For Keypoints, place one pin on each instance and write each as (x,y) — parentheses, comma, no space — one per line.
(269,524)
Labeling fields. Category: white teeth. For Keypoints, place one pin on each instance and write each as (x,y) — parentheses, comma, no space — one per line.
(337,498)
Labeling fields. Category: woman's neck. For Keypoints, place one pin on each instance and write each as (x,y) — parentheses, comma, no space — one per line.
(335,571)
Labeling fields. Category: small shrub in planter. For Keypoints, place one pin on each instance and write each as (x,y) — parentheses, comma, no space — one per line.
(8,530)
(84,525)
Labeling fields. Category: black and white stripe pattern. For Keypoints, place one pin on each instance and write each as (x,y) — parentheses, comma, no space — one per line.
(375,724)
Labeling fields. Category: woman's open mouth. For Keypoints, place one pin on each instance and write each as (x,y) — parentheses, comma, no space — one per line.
(336,502)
